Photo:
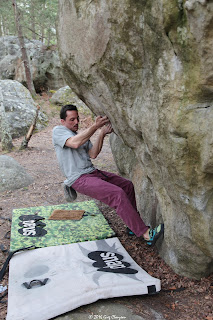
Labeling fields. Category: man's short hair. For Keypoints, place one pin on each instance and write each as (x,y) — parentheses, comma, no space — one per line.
(64,109)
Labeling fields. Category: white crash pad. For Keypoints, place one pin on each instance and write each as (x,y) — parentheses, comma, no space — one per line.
(74,275)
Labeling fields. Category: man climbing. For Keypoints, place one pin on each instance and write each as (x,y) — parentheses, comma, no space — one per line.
(74,153)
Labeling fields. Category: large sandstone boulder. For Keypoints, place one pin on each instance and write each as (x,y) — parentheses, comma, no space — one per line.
(65,95)
(44,63)
(148,66)
(19,108)
(12,175)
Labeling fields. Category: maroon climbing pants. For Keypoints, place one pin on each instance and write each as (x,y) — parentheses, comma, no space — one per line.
(115,191)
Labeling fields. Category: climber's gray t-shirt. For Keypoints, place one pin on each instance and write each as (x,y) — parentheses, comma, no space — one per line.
(73,162)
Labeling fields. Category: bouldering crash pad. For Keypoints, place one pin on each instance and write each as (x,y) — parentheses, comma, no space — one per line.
(32,227)
(47,282)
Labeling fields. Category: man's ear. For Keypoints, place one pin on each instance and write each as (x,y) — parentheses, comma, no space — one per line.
(62,121)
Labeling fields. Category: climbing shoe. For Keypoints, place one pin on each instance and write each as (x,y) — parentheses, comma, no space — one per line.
(69,193)
(154,234)
(129,232)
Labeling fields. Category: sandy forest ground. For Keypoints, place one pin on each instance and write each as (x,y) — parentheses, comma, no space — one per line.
(180,298)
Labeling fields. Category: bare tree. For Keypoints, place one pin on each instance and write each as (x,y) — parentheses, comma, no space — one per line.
(25,59)
(32,16)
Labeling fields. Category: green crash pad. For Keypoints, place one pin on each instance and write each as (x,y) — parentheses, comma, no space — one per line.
(31,226)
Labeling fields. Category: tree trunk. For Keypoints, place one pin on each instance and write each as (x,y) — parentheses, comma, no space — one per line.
(49,35)
(42,25)
(6,139)
(25,59)
(29,134)
(1,27)
(32,16)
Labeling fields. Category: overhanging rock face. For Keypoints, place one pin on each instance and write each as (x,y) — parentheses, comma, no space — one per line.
(148,66)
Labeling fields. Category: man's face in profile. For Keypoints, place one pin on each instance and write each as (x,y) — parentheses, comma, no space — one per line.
(72,120)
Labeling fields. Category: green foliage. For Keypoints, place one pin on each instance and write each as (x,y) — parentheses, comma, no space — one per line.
(38,19)
(7,21)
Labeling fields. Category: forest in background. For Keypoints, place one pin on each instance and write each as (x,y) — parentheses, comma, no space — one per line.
(32,20)
(37,19)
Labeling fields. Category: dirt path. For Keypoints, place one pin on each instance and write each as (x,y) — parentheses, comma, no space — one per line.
(180,297)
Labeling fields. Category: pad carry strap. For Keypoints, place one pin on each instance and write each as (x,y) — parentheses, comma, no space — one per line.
(3,270)
(35,282)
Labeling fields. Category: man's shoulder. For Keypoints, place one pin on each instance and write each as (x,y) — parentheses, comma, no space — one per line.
(61,129)
(60,134)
